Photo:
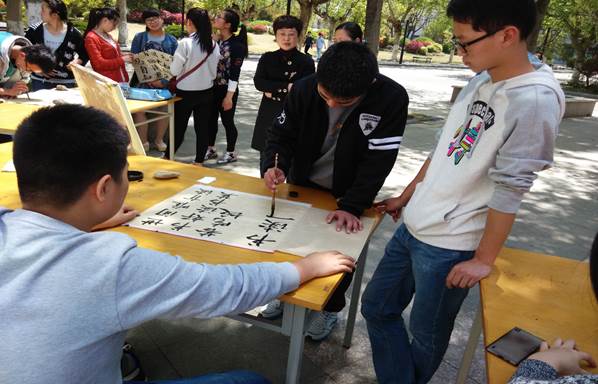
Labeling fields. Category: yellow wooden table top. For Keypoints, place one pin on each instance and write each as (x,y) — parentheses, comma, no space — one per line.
(11,114)
(150,191)
(548,296)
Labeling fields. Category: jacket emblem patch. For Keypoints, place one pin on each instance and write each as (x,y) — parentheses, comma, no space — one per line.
(368,123)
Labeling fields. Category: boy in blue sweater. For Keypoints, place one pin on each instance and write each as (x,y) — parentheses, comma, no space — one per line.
(68,294)
(459,209)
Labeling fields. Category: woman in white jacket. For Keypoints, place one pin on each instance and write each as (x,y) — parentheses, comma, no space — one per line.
(195,85)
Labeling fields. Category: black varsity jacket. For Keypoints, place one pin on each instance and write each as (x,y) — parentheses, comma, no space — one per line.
(367,145)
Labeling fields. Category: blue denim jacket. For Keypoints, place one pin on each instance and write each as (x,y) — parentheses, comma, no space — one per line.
(169,44)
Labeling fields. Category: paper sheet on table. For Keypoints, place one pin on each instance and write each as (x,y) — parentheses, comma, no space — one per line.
(224,216)
(49,97)
(315,234)
(9,167)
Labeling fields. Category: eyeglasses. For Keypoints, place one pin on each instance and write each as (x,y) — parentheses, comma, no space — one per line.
(464,46)
(152,19)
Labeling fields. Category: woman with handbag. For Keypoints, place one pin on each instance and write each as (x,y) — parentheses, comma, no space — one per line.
(195,65)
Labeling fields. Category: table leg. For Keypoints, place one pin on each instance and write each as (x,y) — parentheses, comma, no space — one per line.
(171,130)
(472,343)
(355,295)
(299,315)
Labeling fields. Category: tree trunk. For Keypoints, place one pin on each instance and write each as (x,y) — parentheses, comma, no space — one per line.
(306,8)
(14,24)
(34,12)
(373,14)
(396,46)
(580,52)
(123,32)
(532,39)
(331,25)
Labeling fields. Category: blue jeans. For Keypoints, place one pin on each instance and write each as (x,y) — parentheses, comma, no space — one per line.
(410,267)
(37,85)
(231,377)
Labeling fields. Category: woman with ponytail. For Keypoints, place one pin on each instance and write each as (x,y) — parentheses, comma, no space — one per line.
(104,53)
(195,64)
(233,49)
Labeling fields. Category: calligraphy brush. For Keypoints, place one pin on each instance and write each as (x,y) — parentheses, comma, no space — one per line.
(273,204)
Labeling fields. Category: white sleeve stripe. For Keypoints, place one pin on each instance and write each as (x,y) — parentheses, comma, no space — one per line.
(383,147)
(385,140)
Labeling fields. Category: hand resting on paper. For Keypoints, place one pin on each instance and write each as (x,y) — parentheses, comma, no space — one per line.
(346,220)
(320,264)
(124,214)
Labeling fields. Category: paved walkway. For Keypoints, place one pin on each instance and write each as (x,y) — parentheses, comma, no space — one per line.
(560,217)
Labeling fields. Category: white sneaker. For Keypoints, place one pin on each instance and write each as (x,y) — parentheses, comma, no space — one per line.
(211,154)
(228,157)
(160,146)
(146,146)
(273,310)
(322,325)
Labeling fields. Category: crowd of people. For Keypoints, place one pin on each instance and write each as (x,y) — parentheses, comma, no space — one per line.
(337,128)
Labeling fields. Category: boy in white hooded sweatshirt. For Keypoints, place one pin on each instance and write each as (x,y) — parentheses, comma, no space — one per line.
(459,209)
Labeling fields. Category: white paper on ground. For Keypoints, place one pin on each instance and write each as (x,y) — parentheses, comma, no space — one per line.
(314,234)
(9,167)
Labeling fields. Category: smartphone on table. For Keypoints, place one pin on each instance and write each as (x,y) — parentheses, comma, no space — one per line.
(515,346)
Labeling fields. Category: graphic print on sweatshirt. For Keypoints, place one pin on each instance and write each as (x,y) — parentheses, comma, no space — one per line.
(464,140)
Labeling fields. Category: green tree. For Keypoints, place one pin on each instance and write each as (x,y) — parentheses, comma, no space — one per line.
(532,39)
(335,12)
(306,9)
(580,20)
(412,13)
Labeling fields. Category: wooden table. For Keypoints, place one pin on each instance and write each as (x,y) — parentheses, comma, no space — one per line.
(546,295)
(312,295)
(11,115)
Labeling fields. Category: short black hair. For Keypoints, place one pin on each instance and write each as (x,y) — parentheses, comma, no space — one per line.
(493,15)
(353,30)
(287,21)
(39,55)
(150,13)
(58,7)
(60,151)
(347,69)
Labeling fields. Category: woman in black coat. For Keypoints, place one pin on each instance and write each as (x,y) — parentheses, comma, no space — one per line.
(275,74)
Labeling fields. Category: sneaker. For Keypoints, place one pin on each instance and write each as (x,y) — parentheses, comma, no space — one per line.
(146,146)
(228,157)
(210,154)
(322,325)
(160,146)
(273,310)
(130,366)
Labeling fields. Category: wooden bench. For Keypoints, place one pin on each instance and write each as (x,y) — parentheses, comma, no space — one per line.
(421,59)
